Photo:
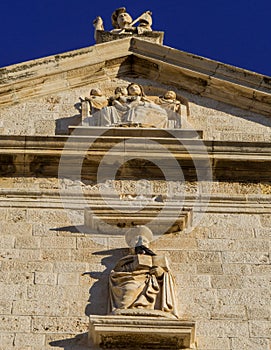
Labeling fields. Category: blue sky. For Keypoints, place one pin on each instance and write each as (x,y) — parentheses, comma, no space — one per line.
(236,32)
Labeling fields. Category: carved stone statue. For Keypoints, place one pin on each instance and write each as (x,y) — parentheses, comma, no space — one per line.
(91,104)
(169,101)
(141,282)
(173,106)
(123,23)
(119,99)
(115,15)
(142,110)
(96,100)
(131,107)
(113,113)
(124,26)
(123,20)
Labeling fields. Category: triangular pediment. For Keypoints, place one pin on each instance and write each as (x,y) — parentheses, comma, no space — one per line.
(226,103)
(134,57)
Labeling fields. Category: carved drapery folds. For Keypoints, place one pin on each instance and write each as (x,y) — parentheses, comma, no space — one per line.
(129,106)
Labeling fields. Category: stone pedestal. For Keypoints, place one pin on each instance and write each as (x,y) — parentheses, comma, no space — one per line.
(139,332)
(103,36)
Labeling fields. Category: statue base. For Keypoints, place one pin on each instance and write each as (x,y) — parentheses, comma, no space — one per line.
(144,312)
(139,332)
(103,36)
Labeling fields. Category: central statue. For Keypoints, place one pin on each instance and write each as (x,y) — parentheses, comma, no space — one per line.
(141,283)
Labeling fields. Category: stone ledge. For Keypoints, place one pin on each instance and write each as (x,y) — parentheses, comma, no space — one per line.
(45,156)
(105,220)
(137,332)
(223,203)
(135,132)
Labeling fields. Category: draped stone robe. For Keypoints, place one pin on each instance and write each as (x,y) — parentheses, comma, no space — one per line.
(142,282)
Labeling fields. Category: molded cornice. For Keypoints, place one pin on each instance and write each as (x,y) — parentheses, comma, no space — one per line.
(40,156)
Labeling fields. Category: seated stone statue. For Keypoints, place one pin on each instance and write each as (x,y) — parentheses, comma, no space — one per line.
(169,101)
(113,113)
(142,110)
(141,283)
(92,104)
(131,107)
(119,100)
(173,107)
(96,100)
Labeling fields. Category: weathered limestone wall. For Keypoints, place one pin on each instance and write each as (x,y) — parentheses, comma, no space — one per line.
(52,114)
(222,269)
(221,122)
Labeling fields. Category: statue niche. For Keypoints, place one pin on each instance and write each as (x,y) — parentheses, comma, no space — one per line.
(141,283)
(129,106)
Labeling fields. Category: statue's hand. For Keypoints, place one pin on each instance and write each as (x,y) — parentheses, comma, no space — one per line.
(157,271)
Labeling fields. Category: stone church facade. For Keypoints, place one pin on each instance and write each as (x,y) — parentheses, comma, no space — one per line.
(56,253)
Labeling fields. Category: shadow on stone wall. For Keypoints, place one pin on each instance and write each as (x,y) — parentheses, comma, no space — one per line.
(71,229)
(62,124)
(79,342)
(98,293)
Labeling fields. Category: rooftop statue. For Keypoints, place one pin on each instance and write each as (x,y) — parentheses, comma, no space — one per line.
(123,23)
(141,282)
(129,106)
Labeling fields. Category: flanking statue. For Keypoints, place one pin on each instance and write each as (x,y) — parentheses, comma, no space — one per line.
(141,283)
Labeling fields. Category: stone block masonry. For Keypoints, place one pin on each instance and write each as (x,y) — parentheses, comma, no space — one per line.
(53,276)
(222,271)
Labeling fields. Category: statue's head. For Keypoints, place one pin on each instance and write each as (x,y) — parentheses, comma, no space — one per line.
(135,90)
(170,95)
(96,92)
(124,20)
(115,14)
(138,235)
(121,91)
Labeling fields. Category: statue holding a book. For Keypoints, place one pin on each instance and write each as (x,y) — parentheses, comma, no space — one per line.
(141,282)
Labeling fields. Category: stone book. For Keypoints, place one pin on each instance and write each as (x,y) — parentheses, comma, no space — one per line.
(144,261)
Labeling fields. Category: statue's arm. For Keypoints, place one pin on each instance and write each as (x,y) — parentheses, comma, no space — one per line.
(185,102)
(158,271)
(129,259)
